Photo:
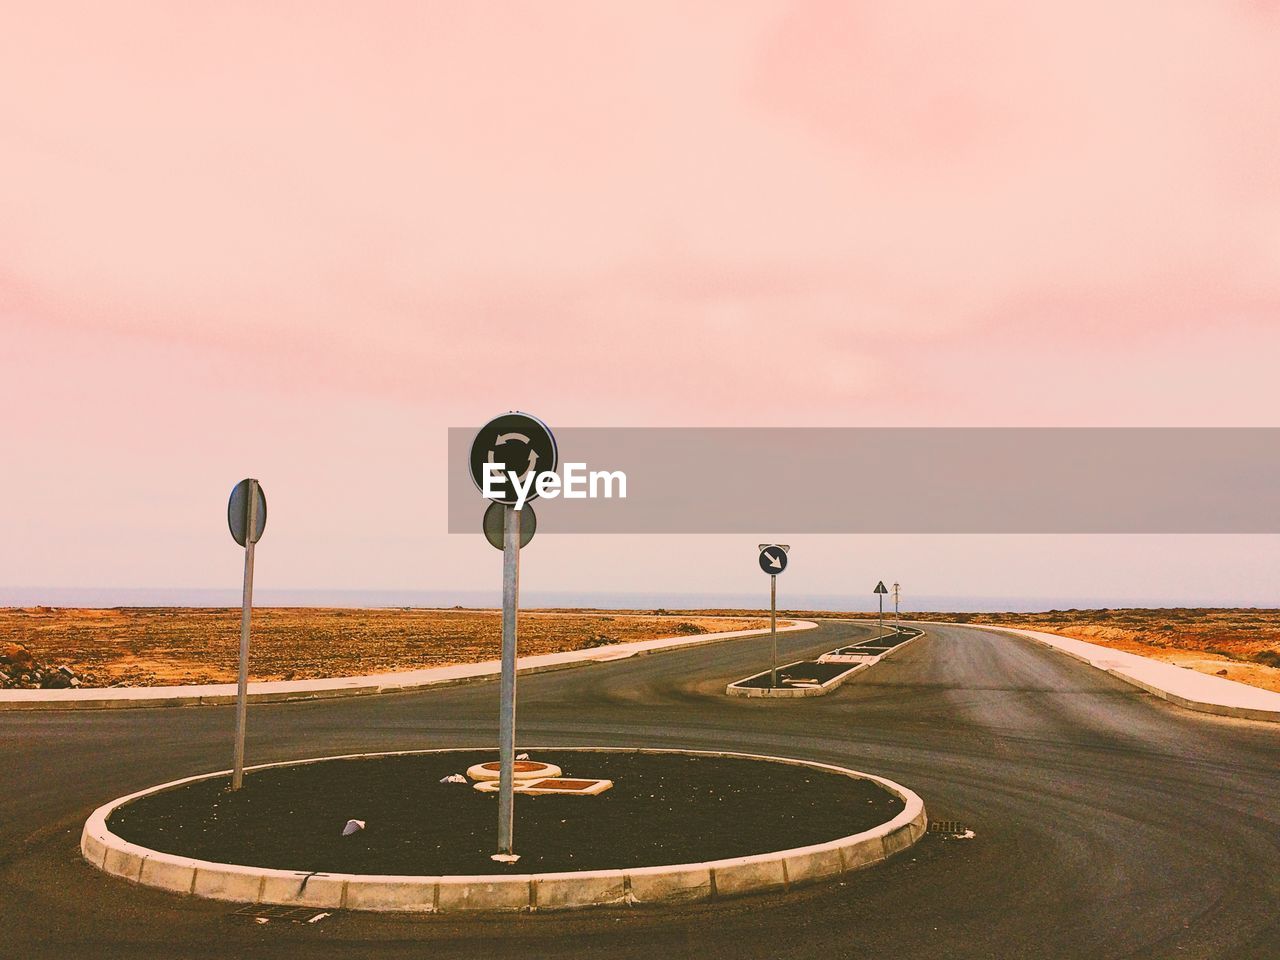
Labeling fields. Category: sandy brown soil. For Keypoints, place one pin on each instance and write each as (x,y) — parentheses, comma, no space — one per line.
(139,646)
(152,646)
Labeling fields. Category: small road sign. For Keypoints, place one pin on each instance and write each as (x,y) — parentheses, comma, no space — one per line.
(247,518)
(773,558)
(494,517)
(238,511)
(881,590)
(522,444)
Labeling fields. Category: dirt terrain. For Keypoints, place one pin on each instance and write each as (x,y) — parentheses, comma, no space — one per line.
(661,809)
(139,646)
(145,646)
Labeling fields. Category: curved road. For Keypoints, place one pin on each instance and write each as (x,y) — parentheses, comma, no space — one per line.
(1108,823)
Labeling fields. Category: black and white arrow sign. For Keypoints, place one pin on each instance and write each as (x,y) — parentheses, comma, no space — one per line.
(773,557)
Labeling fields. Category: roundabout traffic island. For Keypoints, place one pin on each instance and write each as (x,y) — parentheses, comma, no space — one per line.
(673,826)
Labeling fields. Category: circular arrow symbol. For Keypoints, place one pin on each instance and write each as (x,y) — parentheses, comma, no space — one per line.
(499,442)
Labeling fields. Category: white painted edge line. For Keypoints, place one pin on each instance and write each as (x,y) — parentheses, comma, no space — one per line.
(784,693)
(279,691)
(1181,686)
(675,883)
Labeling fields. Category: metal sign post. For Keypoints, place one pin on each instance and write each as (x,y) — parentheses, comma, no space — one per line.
(520,445)
(773,630)
(880,592)
(247,518)
(773,560)
(897,617)
(507,711)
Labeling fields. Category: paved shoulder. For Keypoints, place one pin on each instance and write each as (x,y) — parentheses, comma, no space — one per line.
(1187,688)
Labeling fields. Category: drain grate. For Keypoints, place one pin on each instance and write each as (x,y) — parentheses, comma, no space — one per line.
(265,914)
(950,830)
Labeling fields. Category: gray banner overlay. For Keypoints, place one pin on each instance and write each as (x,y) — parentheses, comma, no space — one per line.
(907,480)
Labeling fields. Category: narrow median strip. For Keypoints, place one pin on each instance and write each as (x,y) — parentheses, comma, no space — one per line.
(816,678)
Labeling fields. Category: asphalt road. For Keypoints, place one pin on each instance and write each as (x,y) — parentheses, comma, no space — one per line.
(1108,824)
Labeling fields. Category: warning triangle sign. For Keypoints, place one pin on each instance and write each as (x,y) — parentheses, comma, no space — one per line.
(880,588)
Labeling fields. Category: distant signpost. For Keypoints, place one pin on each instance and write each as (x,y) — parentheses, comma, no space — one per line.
(247,519)
(880,591)
(773,560)
(511,444)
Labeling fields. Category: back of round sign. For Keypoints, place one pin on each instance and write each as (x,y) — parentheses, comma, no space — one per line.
(238,511)
(493,521)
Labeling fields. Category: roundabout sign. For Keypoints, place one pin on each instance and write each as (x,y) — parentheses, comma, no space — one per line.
(510,453)
(511,456)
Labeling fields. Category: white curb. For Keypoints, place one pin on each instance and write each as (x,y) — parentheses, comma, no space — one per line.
(278,691)
(677,883)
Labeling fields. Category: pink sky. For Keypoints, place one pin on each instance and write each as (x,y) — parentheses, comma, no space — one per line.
(299,240)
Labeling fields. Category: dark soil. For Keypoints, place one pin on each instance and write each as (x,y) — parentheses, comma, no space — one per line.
(822,672)
(663,809)
(805,670)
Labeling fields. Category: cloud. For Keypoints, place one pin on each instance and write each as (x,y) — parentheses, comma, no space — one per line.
(299,240)
(402,198)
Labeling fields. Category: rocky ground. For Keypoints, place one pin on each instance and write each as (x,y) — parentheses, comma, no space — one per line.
(19,670)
